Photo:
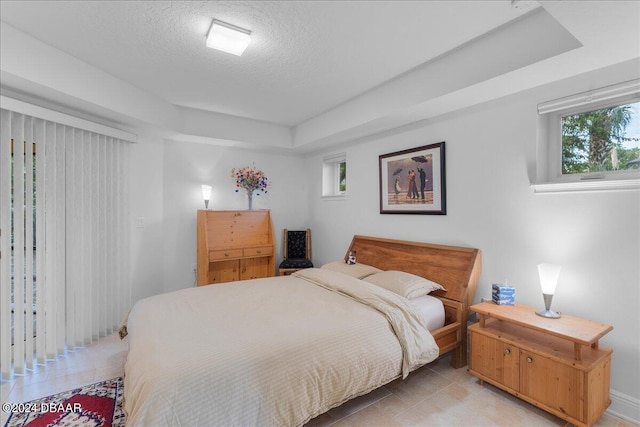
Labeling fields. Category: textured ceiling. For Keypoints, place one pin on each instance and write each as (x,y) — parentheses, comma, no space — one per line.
(305,57)
(317,73)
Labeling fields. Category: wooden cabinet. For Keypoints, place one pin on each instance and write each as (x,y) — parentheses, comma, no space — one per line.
(495,359)
(235,245)
(555,364)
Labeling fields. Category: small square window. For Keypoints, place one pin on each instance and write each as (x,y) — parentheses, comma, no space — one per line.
(334,176)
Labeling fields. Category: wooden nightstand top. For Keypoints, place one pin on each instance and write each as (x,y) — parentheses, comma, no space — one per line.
(579,331)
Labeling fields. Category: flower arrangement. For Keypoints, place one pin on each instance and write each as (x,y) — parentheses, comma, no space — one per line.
(251,179)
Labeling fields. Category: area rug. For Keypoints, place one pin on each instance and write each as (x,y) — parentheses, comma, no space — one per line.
(95,405)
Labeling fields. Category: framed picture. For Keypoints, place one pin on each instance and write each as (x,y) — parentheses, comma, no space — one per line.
(413,181)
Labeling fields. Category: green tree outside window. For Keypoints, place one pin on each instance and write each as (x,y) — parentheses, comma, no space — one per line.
(598,141)
(343,177)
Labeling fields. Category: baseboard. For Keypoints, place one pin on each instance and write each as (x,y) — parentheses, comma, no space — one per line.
(624,406)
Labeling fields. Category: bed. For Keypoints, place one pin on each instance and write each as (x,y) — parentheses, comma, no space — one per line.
(283,350)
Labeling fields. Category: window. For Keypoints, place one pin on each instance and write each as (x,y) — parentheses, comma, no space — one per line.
(590,141)
(603,140)
(334,176)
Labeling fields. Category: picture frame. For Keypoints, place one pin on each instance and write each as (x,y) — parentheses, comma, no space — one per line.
(413,181)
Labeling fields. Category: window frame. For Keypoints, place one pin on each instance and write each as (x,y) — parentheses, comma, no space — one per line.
(549,153)
(331,177)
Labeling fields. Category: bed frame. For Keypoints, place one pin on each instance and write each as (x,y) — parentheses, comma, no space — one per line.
(454,267)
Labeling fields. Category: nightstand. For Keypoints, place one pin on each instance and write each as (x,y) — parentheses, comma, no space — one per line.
(555,364)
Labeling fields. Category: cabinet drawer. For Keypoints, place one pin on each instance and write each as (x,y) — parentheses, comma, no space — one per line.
(225,254)
(258,251)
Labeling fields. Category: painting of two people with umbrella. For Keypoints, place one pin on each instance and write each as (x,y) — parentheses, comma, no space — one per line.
(411,179)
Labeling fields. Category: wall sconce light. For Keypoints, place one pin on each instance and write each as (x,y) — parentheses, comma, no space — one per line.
(549,274)
(206,195)
(228,38)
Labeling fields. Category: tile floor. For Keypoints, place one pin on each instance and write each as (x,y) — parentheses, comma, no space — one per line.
(435,395)
(102,360)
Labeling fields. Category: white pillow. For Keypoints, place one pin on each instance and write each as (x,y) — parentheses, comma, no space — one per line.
(354,270)
(404,284)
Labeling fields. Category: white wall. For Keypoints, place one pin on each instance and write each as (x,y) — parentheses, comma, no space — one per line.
(146,200)
(165,191)
(186,166)
(489,151)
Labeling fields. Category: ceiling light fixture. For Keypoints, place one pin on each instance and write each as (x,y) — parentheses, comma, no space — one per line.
(228,38)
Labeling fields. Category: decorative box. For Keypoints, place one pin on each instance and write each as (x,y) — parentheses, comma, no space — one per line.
(503,294)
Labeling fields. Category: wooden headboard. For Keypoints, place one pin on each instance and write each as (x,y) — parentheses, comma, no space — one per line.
(454,267)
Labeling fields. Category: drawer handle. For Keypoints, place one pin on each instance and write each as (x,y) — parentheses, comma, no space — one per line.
(507,351)
(259,251)
(529,359)
(226,254)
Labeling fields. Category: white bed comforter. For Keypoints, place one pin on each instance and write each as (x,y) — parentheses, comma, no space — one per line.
(276,351)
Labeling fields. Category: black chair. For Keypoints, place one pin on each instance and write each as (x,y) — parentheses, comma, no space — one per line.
(297,251)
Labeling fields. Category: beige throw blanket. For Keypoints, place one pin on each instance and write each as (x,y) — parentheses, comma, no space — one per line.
(276,351)
(418,346)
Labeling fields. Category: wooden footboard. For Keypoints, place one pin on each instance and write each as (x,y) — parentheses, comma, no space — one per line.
(454,267)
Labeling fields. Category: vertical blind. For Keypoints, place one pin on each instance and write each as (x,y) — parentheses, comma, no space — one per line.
(64,248)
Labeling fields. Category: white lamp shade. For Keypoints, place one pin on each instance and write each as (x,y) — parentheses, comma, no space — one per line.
(549,274)
(206,192)
(228,38)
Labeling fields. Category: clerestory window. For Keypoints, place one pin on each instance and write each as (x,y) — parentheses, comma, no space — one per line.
(590,141)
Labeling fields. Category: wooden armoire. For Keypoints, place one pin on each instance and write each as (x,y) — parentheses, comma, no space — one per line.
(234,245)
